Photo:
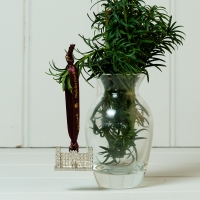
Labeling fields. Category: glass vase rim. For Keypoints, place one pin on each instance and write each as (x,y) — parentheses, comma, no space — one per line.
(137,74)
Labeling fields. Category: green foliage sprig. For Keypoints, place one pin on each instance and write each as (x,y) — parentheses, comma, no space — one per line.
(129,37)
(132,37)
(62,76)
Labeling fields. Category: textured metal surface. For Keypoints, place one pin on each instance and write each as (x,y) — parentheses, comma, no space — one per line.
(73,161)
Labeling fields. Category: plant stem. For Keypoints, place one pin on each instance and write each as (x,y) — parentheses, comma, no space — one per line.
(132,7)
(125,15)
(131,96)
(108,12)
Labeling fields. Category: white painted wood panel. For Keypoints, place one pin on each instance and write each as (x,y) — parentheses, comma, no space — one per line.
(39,162)
(188,70)
(89,193)
(11,72)
(166,188)
(24,174)
(34,32)
(54,25)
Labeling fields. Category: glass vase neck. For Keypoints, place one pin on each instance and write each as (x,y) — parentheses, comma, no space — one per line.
(121,82)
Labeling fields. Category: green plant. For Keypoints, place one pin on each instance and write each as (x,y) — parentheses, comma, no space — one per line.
(129,37)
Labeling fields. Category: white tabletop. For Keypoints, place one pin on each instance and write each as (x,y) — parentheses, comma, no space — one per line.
(28,174)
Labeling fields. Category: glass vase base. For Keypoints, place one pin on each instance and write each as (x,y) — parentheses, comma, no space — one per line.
(119,181)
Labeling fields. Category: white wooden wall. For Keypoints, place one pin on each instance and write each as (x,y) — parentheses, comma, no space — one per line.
(32,109)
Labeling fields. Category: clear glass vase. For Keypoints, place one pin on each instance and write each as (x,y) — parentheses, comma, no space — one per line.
(119,128)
